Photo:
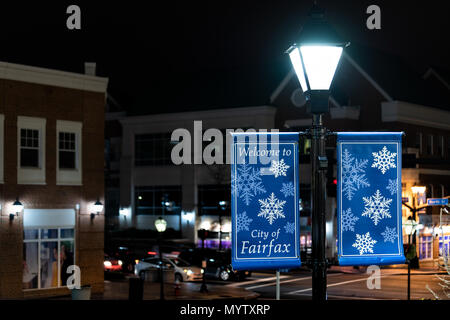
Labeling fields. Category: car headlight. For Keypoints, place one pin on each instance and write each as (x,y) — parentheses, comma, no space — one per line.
(107,263)
(202,271)
(188,271)
(120,262)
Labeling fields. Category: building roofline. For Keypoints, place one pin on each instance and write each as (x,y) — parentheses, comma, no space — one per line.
(51,77)
(199,115)
(431,71)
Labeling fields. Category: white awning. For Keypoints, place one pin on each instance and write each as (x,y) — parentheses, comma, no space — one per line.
(49,218)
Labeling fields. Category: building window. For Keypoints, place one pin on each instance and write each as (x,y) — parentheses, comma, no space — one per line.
(441,150)
(418,142)
(69,152)
(158,200)
(46,255)
(444,245)
(153,149)
(426,247)
(210,196)
(31,150)
(430,144)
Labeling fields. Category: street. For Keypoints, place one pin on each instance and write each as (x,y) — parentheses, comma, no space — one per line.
(345,285)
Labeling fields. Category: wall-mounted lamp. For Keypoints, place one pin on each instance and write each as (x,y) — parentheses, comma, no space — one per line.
(17,208)
(124,212)
(98,207)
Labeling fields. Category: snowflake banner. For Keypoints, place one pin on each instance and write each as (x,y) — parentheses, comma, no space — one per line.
(265,201)
(369,198)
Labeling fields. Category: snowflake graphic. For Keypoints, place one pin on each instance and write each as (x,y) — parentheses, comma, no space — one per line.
(348,220)
(287,189)
(289,227)
(392,186)
(248,183)
(384,160)
(243,222)
(279,168)
(364,243)
(376,207)
(390,234)
(353,174)
(271,208)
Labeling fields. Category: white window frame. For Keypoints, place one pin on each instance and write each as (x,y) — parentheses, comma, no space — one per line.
(70,177)
(32,175)
(2,141)
(58,240)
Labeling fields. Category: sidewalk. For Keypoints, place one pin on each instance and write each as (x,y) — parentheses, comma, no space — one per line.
(119,290)
(397,269)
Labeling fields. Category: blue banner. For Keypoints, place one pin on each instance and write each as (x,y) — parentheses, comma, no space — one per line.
(265,200)
(369,198)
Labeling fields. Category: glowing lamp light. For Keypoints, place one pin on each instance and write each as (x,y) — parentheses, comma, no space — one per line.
(410,226)
(18,206)
(418,189)
(98,206)
(316,55)
(124,212)
(160,224)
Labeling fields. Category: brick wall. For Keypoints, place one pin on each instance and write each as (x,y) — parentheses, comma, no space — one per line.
(53,103)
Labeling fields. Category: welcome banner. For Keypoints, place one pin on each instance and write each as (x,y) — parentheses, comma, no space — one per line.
(264,198)
(369,198)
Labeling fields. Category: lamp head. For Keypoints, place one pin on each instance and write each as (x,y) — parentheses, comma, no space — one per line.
(316,54)
(160,224)
(98,206)
(18,206)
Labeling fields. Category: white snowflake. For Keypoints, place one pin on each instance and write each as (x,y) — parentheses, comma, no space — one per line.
(353,174)
(271,208)
(384,160)
(390,234)
(348,220)
(392,186)
(243,222)
(376,207)
(287,189)
(289,227)
(364,243)
(248,183)
(279,168)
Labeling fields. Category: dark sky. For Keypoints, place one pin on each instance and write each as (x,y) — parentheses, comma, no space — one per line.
(153,50)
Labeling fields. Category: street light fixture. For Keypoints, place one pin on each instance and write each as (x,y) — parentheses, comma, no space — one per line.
(315,57)
(161,225)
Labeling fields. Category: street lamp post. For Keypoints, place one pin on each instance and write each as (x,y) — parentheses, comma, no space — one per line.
(410,228)
(315,58)
(161,225)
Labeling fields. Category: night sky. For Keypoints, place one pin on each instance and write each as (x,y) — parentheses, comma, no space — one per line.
(163,54)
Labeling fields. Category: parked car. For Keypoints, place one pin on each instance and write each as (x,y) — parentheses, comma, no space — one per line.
(183,271)
(112,264)
(218,264)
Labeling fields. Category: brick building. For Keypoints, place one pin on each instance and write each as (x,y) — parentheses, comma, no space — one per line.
(51,160)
